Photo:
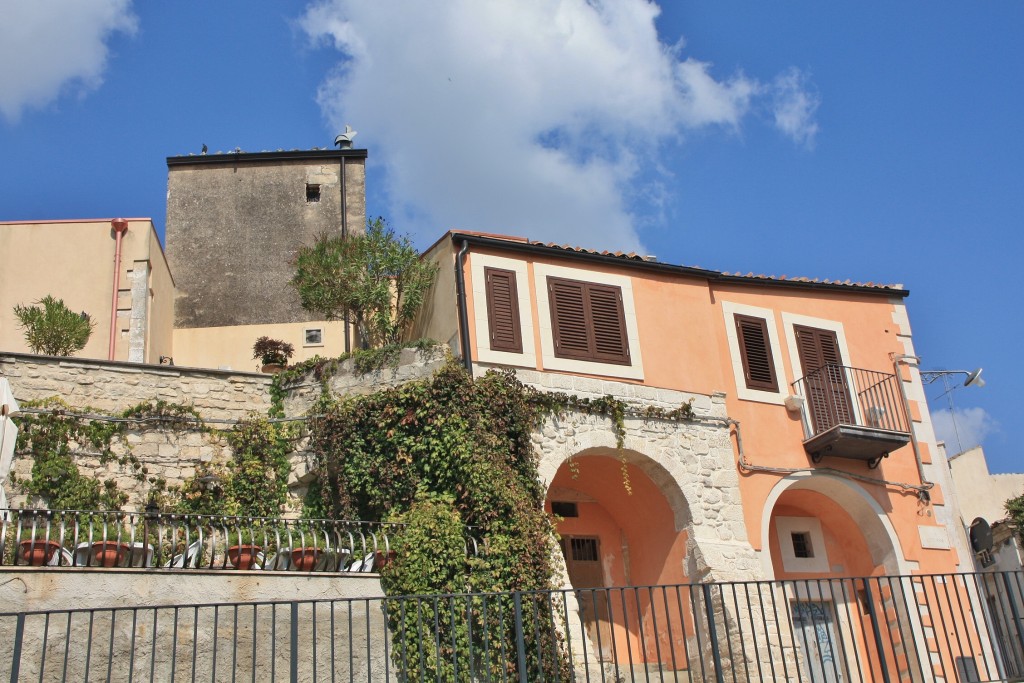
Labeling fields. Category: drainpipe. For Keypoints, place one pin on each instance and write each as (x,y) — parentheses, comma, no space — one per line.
(344,235)
(120,227)
(460,291)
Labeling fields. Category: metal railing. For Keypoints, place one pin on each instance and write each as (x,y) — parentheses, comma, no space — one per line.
(962,627)
(839,394)
(80,538)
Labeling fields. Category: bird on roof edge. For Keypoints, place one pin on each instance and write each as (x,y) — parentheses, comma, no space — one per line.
(204,148)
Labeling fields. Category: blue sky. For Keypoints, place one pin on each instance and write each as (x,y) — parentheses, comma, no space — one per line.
(871,141)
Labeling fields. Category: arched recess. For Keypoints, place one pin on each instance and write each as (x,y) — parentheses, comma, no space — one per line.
(623,522)
(641,530)
(865,515)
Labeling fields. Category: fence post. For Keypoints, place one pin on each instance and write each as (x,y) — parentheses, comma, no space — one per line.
(1013,608)
(713,632)
(19,635)
(874,627)
(517,599)
(294,655)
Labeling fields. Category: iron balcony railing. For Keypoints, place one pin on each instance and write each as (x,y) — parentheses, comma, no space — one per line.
(94,539)
(842,395)
(953,627)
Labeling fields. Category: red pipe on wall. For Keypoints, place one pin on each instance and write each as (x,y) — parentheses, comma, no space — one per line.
(120,227)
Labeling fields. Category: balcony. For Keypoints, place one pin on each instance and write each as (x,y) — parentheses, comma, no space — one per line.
(130,540)
(852,413)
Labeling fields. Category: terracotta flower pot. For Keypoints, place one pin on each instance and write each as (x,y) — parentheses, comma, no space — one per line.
(304,559)
(272,368)
(382,559)
(109,553)
(243,556)
(37,553)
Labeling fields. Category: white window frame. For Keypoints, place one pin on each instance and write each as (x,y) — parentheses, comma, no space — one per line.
(730,310)
(484,353)
(311,329)
(785,527)
(635,369)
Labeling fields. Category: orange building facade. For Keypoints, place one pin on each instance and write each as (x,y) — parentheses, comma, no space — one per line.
(810,455)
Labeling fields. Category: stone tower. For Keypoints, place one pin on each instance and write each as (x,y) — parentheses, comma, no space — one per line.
(234,223)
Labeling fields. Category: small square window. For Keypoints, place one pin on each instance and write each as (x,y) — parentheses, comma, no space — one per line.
(314,337)
(564,509)
(312,193)
(583,549)
(802,544)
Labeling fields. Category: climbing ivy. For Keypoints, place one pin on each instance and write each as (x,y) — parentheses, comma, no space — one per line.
(55,438)
(445,452)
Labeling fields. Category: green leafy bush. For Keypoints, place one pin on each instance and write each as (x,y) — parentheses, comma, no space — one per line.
(52,328)
(377,280)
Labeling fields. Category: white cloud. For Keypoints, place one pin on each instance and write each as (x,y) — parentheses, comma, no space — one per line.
(535,117)
(972,425)
(794,106)
(49,45)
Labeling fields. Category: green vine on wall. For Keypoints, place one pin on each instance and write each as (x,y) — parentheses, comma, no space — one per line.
(55,438)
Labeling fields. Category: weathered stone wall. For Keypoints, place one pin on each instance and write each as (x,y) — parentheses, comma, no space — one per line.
(235,221)
(114,386)
(219,643)
(411,365)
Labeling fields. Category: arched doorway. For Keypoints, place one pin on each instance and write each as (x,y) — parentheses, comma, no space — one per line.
(822,535)
(619,528)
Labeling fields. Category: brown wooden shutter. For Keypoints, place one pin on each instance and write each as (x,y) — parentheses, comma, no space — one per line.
(756,352)
(503,310)
(828,395)
(569,318)
(588,322)
(608,323)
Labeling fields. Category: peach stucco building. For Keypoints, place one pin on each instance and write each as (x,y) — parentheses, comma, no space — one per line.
(811,455)
(74,260)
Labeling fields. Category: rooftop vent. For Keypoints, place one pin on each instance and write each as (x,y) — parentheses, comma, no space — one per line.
(344,140)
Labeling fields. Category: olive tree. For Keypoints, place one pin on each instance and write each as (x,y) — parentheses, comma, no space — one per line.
(52,328)
(376,280)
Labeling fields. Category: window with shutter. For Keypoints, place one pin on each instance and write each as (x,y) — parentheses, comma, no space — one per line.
(756,353)
(588,321)
(827,388)
(503,310)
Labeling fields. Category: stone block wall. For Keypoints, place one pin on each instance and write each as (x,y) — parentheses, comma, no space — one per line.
(113,386)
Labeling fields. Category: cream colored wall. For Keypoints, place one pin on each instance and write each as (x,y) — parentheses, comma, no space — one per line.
(982,494)
(160,338)
(438,319)
(231,347)
(73,261)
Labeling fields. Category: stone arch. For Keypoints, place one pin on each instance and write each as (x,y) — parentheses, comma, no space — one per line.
(694,466)
(878,531)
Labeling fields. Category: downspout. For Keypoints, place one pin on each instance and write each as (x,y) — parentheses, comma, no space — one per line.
(460,292)
(120,227)
(344,235)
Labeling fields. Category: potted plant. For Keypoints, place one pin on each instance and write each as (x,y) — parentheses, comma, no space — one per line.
(273,353)
(37,552)
(304,559)
(244,555)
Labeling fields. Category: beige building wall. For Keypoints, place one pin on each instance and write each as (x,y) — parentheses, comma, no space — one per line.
(230,347)
(980,493)
(438,318)
(74,261)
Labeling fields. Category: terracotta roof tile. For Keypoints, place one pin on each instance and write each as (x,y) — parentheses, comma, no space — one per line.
(633,256)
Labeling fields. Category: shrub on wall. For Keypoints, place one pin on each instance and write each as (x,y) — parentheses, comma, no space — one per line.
(438,453)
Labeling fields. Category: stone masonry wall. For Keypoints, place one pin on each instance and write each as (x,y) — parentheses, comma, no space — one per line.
(174,452)
(114,386)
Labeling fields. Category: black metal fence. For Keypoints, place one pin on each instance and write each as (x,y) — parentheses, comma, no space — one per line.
(115,539)
(962,627)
